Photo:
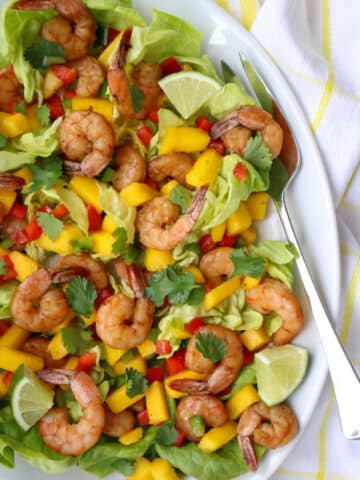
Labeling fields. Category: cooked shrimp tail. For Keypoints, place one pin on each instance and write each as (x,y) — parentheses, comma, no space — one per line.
(13,182)
(197,203)
(193,387)
(56,376)
(10,87)
(248,451)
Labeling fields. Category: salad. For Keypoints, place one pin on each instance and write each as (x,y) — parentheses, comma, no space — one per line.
(144,328)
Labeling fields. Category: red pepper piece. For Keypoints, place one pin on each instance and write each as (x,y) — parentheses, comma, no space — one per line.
(33,230)
(11,272)
(195,324)
(163,347)
(203,123)
(169,66)
(176,363)
(240,172)
(153,115)
(143,418)
(145,135)
(55,106)
(7,379)
(248,357)
(18,211)
(218,146)
(155,374)
(228,240)
(207,244)
(70,94)
(66,74)
(4,327)
(180,439)
(86,361)
(95,219)
(60,211)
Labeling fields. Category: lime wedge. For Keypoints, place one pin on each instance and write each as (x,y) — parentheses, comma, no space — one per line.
(279,371)
(30,397)
(188,91)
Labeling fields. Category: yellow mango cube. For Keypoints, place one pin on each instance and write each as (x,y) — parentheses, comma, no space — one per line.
(157,259)
(24,173)
(205,169)
(250,282)
(98,105)
(142,470)
(168,187)
(24,265)
(218,232)
(7,198)
(11,359)
(257,205)
(162,470)
(71,363)
(63,324)
(103,243)
(185,374)
(137,194)
(184,139)
(108,224)
(14,337)
(255,339)
(239,221)
(3,388)
(118,401)
(51,84)
(249,235)
(196,273)
(14,124)
(156,403)
(218,294)
(89,320)
(109,50)
(218,437)
(63,243)
(113,355)
(131,437)
(147,348)
(137,363)
(88,190)
(241,400)
(180,333)
(56,347)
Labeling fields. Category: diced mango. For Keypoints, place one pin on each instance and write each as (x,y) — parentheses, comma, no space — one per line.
(109,50)
(218,294)
(14,124)
(168,187)
(24,265)
(103,243)
(108,224)
(98,105)
(162,470)
(64,323)
(218,437)
(147,348)
(254,339)
(118,401)
(250,282)
(56,347)
(180,333)
(156,403)
(14,337)
(24,173)
(142,470)
(184,139)
(71,363)
(50,84)
(113,355)
(11,359)
(243,398)
(63,243)
(185,374)
(3,388)
(89,320)
(137,194)
(205,169)
(4,251)
(218,232)
(196,273)
(138,363)
(7,198)
(249,235)
(239,221)
(88,190)
(257,205)
(132,437)
(157,259)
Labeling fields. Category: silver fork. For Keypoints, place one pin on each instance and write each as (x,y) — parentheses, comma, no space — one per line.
(344,378)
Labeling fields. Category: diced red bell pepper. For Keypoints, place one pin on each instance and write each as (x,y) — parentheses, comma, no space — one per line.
(144,135)
(169,66)
(4,327)
(45,208)
(208,287)
(155,374)
(163,347)
(20,237)
(195,324)
(86,361)
(11,272)
(70,94)
(153,115)
(33,230)
(165,303)
(176,363)
(7,379)
(248,357)
(94,217)
(55,106)
(150,183)
(240,172)
(225,391)
(143,418)
(112,34)
(228,240)
(203,123)
(180,439)
(207,244)
(218,146)
(60,211)
(66,74)
(102,295)
(18,211)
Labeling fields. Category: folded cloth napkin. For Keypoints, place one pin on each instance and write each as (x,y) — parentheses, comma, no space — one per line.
(316,44)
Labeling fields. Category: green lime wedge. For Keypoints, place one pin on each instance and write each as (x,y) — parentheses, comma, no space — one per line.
(279,371)
(30,397)
(188,91)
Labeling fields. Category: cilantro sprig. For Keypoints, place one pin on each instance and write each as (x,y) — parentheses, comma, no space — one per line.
(137,98)
(45,173)
(42,54)
(257,153)
(76,340)
(43,115)
(245,265)
(51,226)
(119,245)
(211,347)
(180,196)
(3,141)
(135,383)
(166,434)
(81,295)
(20,107)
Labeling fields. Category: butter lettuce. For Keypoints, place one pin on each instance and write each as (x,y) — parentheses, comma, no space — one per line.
(188,251)
(115,13)
(13,160)
(41,143)
(6,292)
(229,98)
(202,65)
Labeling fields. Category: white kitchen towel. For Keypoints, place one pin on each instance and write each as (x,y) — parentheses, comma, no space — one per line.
(316,44)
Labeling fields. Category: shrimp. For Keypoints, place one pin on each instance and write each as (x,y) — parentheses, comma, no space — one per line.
(90,76)
(117,424)
(11,226)
(273,296)
(210,408)
(58,433)
(216,264)
(68,266)
(10,88)
(12,182)
(159,212)
(221,375)
(88,140)
(253,118)
(39,346)
(53,308)
(144,75)
(74,29)
(174,165)
(130,167)
(271,427)
(236,139)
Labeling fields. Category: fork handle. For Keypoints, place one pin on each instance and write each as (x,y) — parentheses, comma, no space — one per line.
(344,378)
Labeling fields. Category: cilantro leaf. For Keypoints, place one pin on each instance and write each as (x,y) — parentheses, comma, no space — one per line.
(20,107)
(180,196)
(166,434)
(245,265)
(211,347)
(85,243)
(257,153)
(119,245)
(107,175)
(197,425)
(3,267)
(43,54)
(43,115)
(175,284)
(6,243)
(46,173)
(3,141)
(51,225)
(81,295)
(134,254)
(76,340)
(278,177)
(104,91)
(135,382)
(137,98)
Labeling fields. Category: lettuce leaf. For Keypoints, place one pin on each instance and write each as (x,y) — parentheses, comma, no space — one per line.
(14,160)
(40,143)
(202,65)
(6,292)
(117,14)
(228,99)
(246,376)
(188,251)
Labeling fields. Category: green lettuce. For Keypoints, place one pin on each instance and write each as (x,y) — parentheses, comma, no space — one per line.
(202,65)
(246,376)
(14,160)
(6,292)
(229,98)
(272,323)
(117,14)
(167,119)
(188,251)
(40,143)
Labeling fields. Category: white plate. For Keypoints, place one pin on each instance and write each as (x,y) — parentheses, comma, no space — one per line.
(310,203)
